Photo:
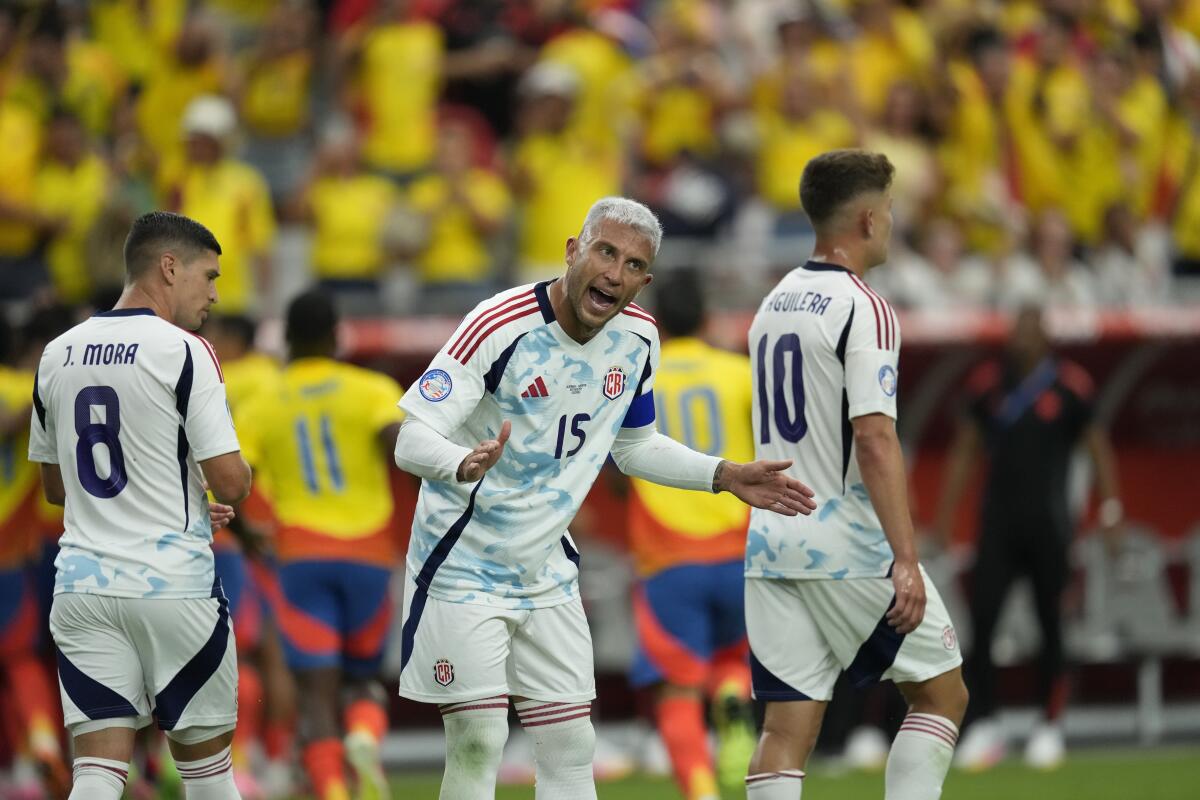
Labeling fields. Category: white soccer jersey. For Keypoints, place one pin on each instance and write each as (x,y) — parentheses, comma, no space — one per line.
(503,541)
(126,403)
(824,350)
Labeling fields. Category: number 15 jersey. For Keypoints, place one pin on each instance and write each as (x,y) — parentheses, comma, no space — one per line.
(126,404)
(823,350)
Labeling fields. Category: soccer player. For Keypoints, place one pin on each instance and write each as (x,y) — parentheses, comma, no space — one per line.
(265,700)
(321,440)
(1026,414)
(842,589)
(687,550)
(130,423)
(28,694)
(566,368)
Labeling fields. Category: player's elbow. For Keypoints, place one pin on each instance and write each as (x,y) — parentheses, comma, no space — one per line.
(228,477)
(874,442)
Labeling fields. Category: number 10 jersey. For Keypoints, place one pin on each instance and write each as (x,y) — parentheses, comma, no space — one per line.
(126,404)
(823,350)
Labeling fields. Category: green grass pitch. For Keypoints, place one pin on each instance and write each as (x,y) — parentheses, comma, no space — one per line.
(1167,774)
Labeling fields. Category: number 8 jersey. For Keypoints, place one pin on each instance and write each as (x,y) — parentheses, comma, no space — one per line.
(823,350)
(126,404)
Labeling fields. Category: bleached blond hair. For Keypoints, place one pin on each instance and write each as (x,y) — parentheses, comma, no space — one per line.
(626,212)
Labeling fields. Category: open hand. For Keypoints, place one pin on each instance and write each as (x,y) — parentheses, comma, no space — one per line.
(764,484)
(909,609)
(484,456)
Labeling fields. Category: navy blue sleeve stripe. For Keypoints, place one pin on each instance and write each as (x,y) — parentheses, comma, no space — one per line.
(641,411)
(38,406)
(646,370)
(183,394)
(491,380)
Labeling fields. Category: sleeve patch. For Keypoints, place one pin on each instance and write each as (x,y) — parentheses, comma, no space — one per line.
(435,385)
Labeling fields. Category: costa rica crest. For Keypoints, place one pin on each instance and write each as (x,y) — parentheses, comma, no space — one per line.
(443,672)
(614,383)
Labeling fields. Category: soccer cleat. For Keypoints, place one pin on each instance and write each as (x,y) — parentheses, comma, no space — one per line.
(866,749)
(981,747)
(733,718)
(362,751)
(1045,749)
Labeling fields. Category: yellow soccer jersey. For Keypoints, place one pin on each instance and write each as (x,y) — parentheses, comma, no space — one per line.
(314,438)
(703,399)
(247,376)
(18,476)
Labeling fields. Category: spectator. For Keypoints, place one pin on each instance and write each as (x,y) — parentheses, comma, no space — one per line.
(558,174)
(194,67)
(1049,274)
(275,99)
(139,37)
(72,189)
(348,208)
(901,135)
(892,44)
(22,270)
(464,207)
(396,64)
(939,274)
(799,129)
(228,197)
(1133,262)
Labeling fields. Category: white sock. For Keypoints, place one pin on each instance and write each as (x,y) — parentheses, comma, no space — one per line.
(564,744)
(98,779)
(209,778)
(920,757)
(475,735)
(783,785)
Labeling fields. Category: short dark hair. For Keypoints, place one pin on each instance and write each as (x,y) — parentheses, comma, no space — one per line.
(157,231)
(679,302)
(312,320)
(835,178)
(239,326)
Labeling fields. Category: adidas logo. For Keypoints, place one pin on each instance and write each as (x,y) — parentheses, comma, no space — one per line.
(536,389)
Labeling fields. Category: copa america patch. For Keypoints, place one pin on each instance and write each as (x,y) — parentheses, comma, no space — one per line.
(949,638)
(443,672)
(614,383)
(887,380)
(435,385)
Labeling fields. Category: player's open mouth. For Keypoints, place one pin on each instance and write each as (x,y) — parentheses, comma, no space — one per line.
(601,300)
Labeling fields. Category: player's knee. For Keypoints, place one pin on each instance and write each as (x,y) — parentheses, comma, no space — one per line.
(569,744)
(475,745)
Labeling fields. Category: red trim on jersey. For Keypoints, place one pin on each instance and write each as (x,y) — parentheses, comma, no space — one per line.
(484,317)
(519,313)
(541,385)
(211,354)
(874,307)
(889,318)
(637,313)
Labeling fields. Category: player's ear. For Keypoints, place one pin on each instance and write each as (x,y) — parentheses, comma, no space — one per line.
(867,221)
(572,250)
(167,265)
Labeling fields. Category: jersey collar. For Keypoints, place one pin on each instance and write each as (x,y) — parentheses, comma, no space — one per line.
(125,312)
(824,266)
(542,292)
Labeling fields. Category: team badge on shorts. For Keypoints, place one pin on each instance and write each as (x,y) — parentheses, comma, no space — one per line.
(435,385)
(614,383)
(949,638)
(887,380)
(443,672)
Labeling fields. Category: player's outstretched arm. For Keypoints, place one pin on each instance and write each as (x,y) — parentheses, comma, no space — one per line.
(882,465)
(765,484)
(484,456)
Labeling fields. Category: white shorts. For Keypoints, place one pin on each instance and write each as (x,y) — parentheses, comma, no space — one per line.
(452,652)
(804,633)
(122,660)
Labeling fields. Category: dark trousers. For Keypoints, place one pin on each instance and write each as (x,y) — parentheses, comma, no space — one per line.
(1008,551)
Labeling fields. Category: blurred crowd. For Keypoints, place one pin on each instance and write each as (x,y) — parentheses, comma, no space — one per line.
(1044,150)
